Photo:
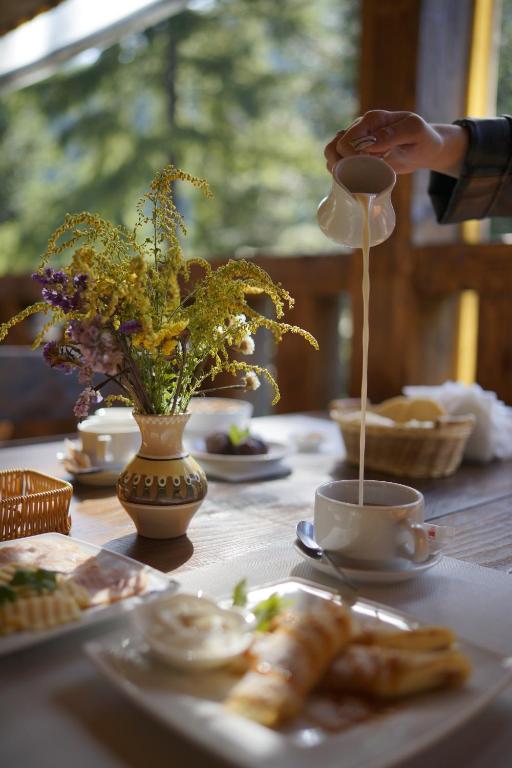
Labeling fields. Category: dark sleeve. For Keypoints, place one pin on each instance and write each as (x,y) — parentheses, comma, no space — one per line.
(484,187)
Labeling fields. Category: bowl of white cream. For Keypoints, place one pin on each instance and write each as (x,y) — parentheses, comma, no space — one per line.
(192,632)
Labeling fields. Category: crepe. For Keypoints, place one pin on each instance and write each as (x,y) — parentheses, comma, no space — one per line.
(390,673)
(106,578)
(288,662)
(427,638)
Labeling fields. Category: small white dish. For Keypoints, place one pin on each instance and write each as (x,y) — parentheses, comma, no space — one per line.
(400,571)
(308,442)
(235,468)
(192,632)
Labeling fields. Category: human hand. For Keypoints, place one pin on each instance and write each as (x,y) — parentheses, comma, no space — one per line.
(405,140)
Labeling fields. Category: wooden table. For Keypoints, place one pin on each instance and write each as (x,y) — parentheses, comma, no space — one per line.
(55,708)
(238,518)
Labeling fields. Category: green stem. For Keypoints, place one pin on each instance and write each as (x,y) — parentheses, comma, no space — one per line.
(180,377)
(136,382)
(227,386)
(113,378)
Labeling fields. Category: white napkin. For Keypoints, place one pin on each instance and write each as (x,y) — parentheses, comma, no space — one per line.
(492,434)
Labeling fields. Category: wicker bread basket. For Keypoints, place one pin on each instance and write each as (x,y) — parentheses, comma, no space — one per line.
(31,502)
(405,451)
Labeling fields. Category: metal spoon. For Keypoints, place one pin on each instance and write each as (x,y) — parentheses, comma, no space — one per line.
(307,542)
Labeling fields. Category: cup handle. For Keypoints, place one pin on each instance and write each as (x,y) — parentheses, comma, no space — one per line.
(421,547)
(103,449)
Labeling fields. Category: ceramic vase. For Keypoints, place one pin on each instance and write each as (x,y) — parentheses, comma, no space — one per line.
(162,487)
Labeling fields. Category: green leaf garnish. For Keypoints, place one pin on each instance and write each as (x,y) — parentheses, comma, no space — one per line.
(40,580)
(267,610)
(237,436)
(240,594)
(7,594)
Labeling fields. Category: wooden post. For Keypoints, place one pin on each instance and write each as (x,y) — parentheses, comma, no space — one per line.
(494,354)
(412,339)
(388,81)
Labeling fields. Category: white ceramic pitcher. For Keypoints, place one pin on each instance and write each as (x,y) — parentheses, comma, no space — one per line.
(340,215)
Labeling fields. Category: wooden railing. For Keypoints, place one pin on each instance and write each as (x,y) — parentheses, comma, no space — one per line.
(431,281)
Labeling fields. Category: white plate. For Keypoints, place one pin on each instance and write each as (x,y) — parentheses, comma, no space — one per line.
(192,705)
(242,468)
(403,572)
(157,582)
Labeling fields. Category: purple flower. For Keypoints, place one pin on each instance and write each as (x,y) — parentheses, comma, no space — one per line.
(58,291)
(87,397)
(80,282)
(98,349)
(84,375)
(130,326)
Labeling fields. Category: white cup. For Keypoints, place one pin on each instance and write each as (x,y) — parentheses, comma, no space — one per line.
(216,414)
(118,415)
(109,442)
(388,526)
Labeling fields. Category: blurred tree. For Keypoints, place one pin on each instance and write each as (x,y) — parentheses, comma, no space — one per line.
(243,92)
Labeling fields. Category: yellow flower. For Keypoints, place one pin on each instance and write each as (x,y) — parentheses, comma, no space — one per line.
(168,347)
(164,340)
(147,280)
(253,290)
(176,328)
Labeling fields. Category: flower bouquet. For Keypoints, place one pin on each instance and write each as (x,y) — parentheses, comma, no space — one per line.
(126,313)
(130,311)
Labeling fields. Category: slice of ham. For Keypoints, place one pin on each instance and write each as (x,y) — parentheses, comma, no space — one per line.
(105,576)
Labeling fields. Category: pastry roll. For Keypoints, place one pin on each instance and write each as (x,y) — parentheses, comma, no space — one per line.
(288,662)
(428,638)
(392,673)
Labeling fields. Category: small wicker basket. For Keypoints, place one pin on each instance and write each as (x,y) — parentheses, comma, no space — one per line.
(406,451)
(31,503)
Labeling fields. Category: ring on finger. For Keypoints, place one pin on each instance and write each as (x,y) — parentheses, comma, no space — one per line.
(362,143)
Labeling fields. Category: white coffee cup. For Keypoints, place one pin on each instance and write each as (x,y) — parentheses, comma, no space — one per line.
(108,441)
(386,527)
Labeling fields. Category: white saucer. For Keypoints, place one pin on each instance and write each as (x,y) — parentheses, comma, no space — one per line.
(404,572)
(94,475)
(103,477)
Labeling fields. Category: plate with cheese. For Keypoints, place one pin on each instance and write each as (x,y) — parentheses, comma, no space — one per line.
(51,584)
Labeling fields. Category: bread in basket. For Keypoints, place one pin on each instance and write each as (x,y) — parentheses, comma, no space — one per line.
(405,437)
